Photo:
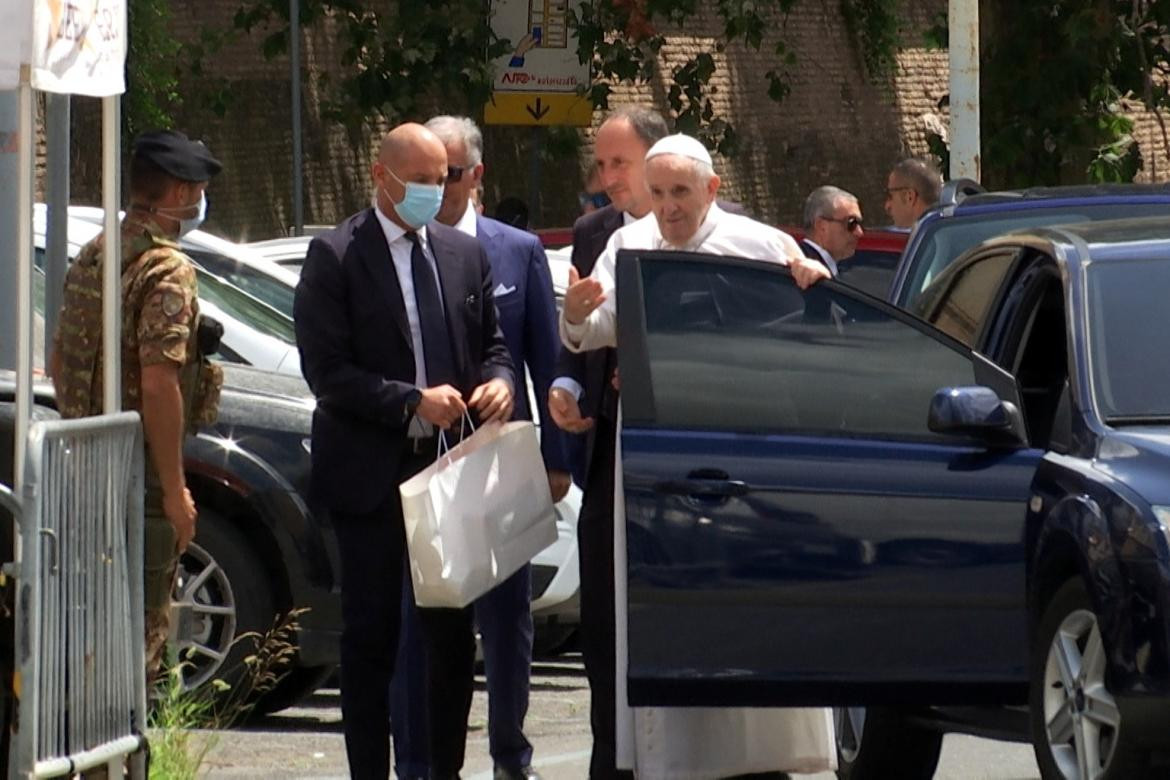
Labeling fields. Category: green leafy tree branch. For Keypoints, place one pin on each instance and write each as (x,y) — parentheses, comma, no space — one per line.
(411,55)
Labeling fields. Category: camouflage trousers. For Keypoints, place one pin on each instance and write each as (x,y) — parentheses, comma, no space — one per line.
(162,563)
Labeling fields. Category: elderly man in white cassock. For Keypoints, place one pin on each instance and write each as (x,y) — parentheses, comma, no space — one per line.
(678,743)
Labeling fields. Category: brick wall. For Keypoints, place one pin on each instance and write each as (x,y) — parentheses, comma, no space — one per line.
(837,126)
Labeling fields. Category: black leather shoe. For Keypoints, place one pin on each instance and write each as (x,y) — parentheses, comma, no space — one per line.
(525,773)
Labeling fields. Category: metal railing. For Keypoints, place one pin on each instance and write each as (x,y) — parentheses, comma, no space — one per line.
(79,610)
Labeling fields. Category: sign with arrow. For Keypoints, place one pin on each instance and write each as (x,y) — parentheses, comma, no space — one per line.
(540,81)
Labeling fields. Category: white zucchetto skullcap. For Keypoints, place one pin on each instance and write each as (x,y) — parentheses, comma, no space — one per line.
(682,145)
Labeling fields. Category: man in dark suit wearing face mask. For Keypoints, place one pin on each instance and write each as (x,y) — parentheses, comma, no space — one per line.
(397,331)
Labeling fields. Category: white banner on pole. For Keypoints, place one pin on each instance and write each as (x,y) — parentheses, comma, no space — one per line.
(79,47)
(15,41)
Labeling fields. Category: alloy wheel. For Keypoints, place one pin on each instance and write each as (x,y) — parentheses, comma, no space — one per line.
(1081,717)
(203,616)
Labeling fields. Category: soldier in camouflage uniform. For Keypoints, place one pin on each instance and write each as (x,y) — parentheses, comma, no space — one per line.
(165,377)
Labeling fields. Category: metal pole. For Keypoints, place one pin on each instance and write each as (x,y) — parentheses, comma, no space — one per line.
(112,254)
(963,22)
(9,256)
(57,109)
(294,14)
(24,276)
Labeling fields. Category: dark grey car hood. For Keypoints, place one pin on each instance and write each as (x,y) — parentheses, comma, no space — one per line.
(265,399)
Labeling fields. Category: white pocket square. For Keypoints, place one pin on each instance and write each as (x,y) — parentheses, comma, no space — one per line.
(501,290)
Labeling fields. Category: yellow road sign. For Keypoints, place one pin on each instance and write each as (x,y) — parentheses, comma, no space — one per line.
(538,108)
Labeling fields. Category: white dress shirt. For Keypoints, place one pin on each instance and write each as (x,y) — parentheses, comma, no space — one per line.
(400,247)
(466,223)
(720,233)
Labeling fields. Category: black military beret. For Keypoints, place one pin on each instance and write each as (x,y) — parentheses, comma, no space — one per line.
(177,154)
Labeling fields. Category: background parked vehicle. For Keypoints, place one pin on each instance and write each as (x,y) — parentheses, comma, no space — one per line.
(259,550)
(988,517)
(966,215)
(255,333)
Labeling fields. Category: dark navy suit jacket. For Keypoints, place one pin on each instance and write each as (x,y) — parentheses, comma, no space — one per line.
(528,317)
(356,352)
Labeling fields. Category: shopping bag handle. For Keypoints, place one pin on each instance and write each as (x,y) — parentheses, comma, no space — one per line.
(464,425)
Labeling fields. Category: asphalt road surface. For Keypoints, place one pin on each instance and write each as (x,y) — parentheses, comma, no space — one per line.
(306,741)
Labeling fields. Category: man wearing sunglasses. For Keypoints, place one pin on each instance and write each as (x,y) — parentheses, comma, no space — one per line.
(911,188)
(832,226)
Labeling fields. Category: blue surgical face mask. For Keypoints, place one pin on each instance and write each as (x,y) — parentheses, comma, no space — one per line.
(420,204)
(187,224)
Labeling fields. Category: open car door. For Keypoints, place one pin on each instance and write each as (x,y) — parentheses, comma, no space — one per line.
(796,533)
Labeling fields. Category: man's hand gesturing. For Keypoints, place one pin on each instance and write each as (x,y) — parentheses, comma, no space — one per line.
(442,406)
(582,297)
(566,412)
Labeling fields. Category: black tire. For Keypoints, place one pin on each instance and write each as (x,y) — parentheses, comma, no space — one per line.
(300,682)
(889,746)
(1071,610)
(220,572)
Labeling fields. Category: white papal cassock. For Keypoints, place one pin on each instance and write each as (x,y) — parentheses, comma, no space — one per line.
(681,743)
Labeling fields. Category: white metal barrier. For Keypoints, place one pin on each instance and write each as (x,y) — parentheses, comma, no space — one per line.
(79,605)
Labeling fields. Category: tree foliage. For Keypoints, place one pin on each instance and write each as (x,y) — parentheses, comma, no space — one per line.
(1059,80)
(157,64)
(411,55)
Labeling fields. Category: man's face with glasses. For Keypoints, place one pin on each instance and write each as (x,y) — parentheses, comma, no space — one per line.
(462,180)
(839,231)
(902,202)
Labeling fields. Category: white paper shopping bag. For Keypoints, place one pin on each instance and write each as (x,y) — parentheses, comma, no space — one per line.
(477,514)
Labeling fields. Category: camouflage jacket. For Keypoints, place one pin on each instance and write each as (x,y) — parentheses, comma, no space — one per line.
(160,313)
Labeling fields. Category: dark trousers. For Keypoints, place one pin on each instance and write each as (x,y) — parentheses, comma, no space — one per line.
(505,625)
(504,617)
(595,550)
(372,547)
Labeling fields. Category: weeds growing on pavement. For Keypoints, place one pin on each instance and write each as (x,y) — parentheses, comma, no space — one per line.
(176,751)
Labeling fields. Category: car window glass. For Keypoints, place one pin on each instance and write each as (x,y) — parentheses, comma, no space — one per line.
(244,307)
(739,347)
(272,291)
(1128,322)
(957,303)
(870,270)
(948,238)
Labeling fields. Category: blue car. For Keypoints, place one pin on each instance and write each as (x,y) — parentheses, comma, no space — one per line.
(960,519)
(967,215)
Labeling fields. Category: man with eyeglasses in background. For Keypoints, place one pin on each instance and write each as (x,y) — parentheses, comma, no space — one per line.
(912,187)
(832,226)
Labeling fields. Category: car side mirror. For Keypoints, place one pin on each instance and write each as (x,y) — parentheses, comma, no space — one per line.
(977,412)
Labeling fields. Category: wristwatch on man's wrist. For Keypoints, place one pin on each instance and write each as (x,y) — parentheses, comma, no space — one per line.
(413,399)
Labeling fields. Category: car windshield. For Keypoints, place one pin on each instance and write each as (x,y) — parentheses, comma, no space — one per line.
(946,239)
(244,307)
(1128,322)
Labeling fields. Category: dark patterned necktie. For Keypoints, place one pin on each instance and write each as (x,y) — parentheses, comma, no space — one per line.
(437,355)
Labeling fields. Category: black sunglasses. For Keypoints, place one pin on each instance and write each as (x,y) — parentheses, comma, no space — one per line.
(455,172)
(850,223)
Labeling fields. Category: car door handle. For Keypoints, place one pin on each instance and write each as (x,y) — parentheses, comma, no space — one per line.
(704,483)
